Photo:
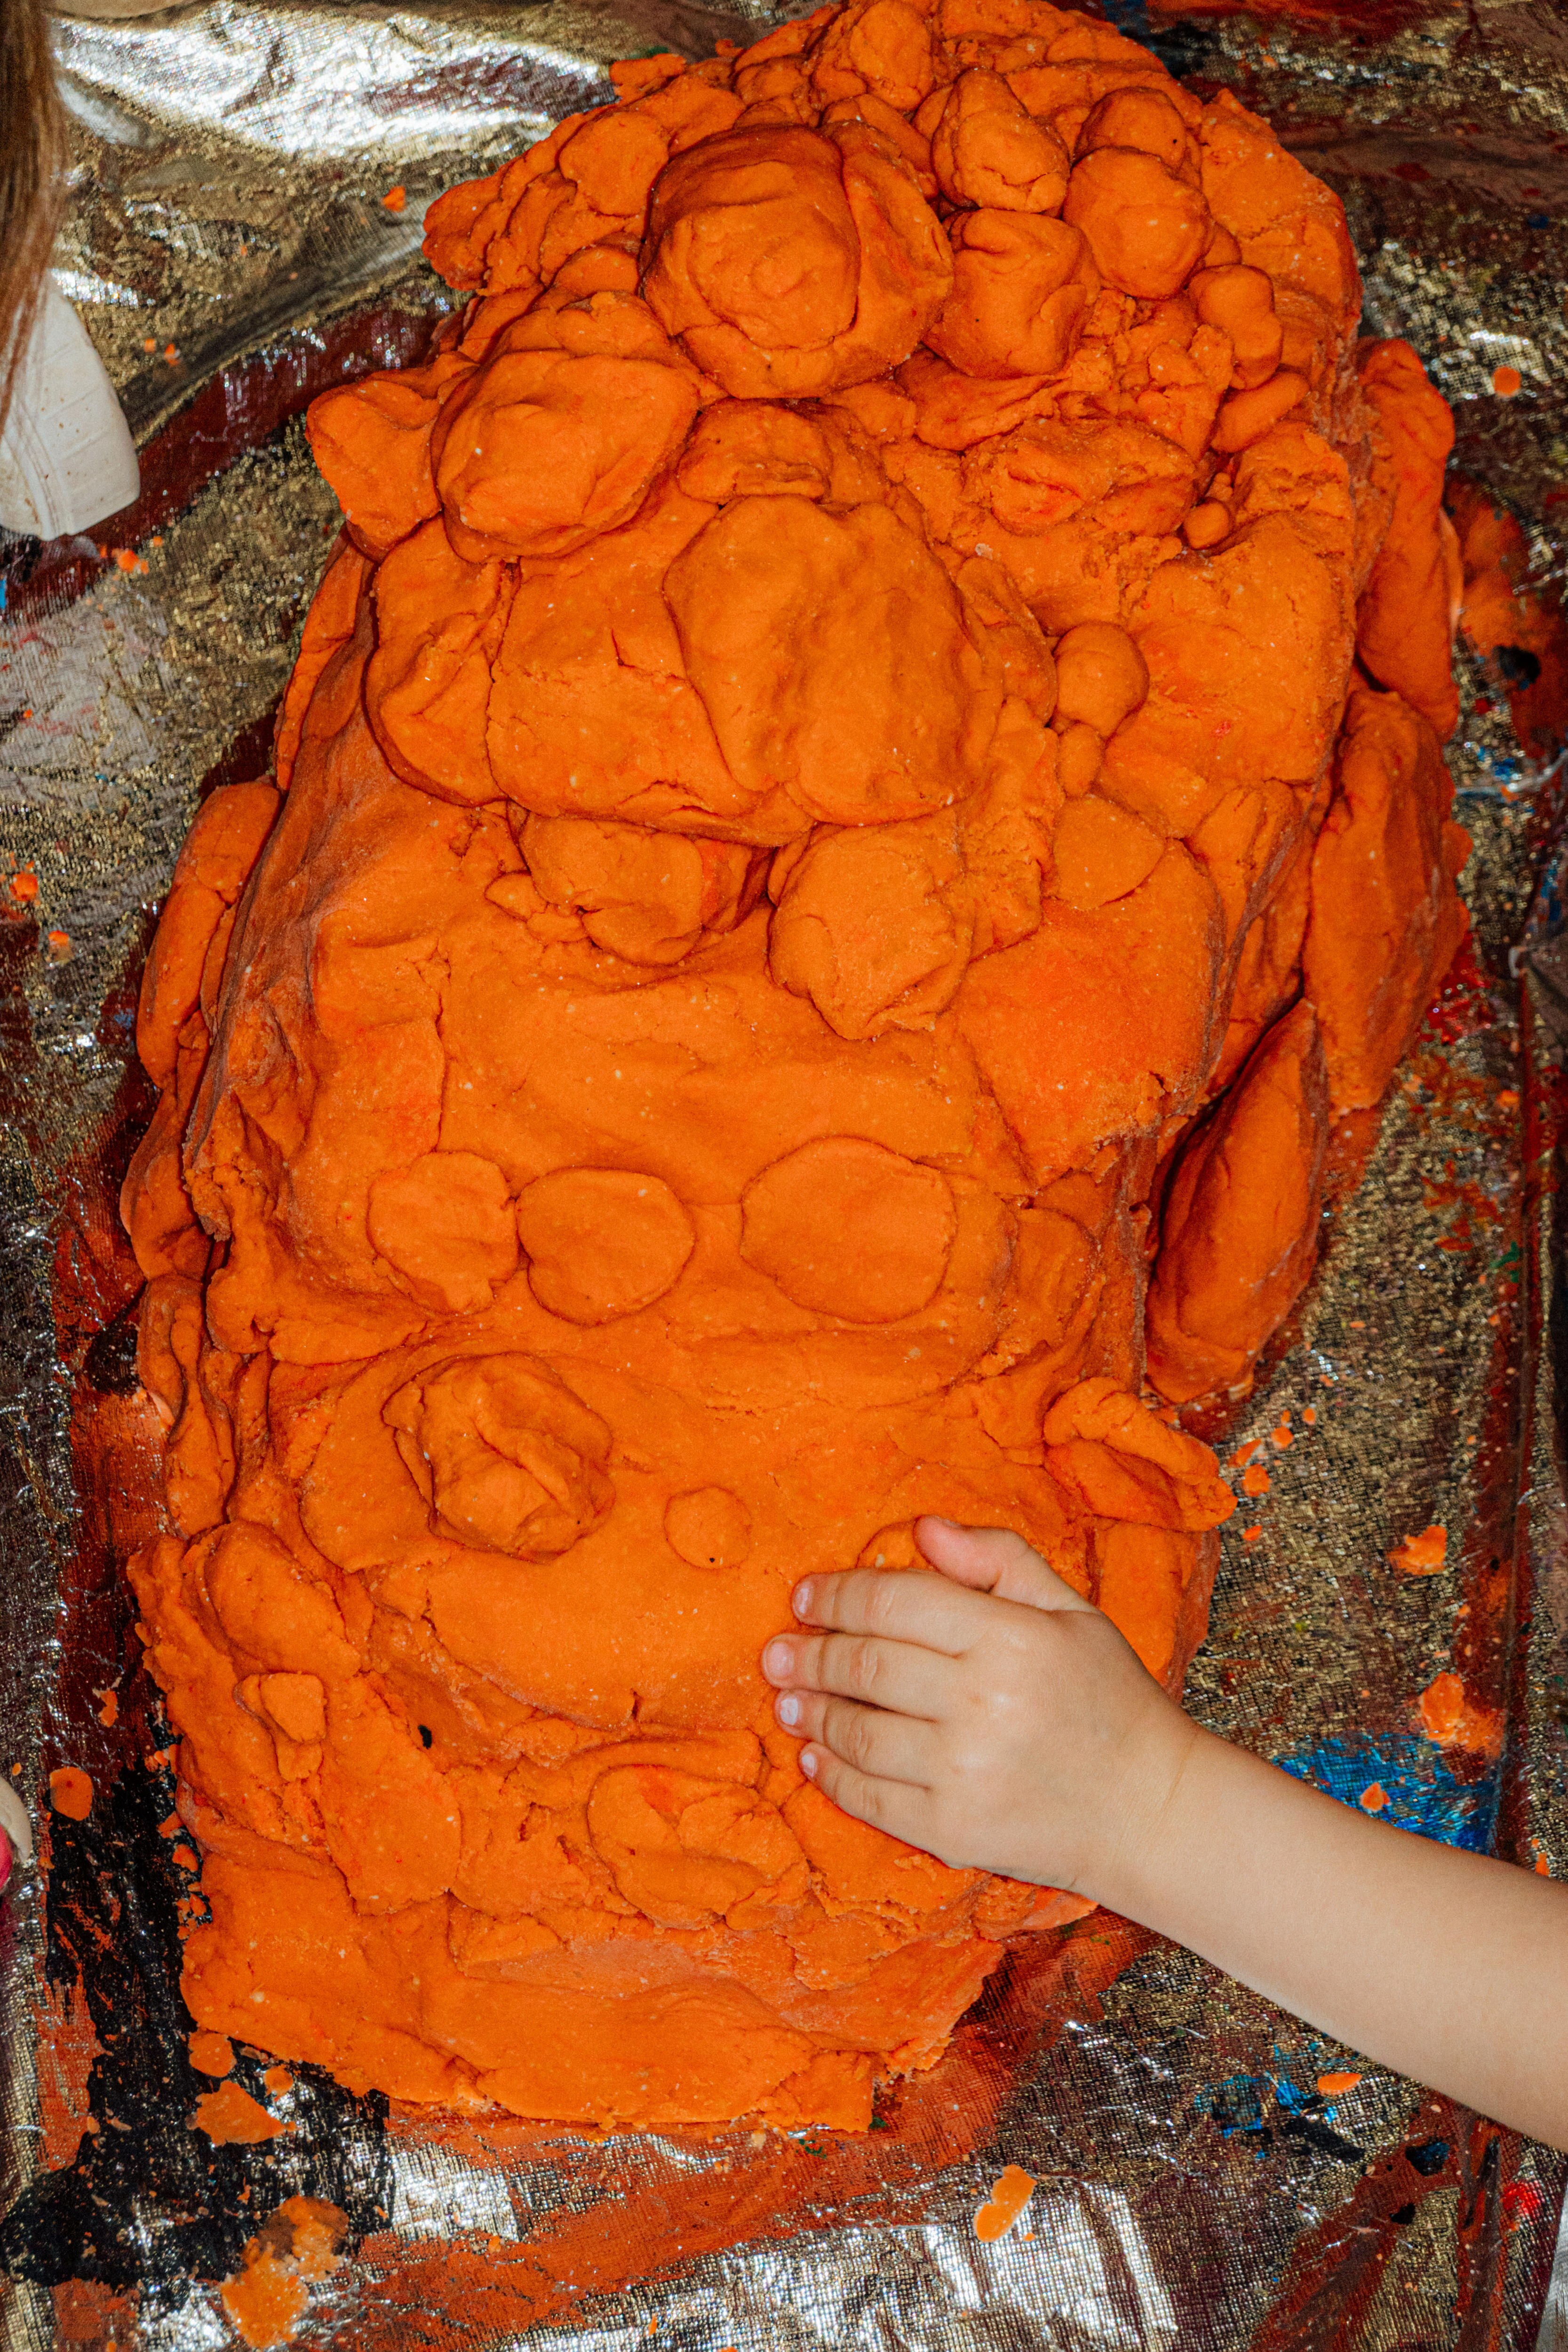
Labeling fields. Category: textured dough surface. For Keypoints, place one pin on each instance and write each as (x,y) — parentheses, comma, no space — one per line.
(807,852)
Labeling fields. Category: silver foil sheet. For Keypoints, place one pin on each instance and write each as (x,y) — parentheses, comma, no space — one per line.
(231,251)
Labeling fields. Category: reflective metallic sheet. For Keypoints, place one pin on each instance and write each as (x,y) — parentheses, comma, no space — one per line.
(231,252)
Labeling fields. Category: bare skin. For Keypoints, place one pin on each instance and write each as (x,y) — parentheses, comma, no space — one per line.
(990,1715)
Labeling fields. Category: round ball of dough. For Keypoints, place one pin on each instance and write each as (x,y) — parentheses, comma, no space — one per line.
(848,1228)
(1144,119)
(710,1527)
(601,1241)
(1146,228)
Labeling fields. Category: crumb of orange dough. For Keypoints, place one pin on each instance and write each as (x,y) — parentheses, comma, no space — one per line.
(1009,2195)
(231,2117)
(1423,1554)
(795,862)
(70,1791)
(210,2054)
(299,2246)
(1451,1718)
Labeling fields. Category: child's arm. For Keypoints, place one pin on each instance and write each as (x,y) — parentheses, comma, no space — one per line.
(1009,1727)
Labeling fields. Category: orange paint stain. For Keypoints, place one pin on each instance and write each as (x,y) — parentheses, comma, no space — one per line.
(1283,1435)
(1309,1416)
(394,199)
(58,945)
(277,2080)
(232,2118)
(1244,1453)
(70,1792)
(1333,2087)
(1506,382)
(1373,1797)
(1251,1535)
(23,887)
(1255,1479)
(108,1713)
(1008,2197)
(1422,1555)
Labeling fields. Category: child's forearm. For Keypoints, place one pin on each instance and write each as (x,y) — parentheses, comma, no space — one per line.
(1444,1965)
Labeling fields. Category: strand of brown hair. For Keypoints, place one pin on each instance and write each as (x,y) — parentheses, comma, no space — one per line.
(34,154)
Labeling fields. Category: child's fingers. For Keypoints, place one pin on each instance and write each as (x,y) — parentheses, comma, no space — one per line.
(897,1674)
(925,1610)
(994,1559)
(884,1747)
(891,1805)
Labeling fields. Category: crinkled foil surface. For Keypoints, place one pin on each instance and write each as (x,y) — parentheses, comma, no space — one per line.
(1212,2175)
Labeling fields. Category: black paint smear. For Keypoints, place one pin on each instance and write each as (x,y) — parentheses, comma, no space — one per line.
(109,1362)
(1185,50)
(1519,666)
(148,2200)
(1320,2137)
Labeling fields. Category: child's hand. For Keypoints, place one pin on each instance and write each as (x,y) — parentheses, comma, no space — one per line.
(990,1715)
(986,1714)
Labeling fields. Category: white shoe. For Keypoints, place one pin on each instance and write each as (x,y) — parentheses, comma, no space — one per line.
(66,458)
(15,1826)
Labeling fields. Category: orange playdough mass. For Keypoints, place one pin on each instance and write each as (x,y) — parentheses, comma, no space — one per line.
(823,850)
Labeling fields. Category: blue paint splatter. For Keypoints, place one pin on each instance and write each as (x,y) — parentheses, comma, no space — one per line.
(1423,1794)
(1259,2110)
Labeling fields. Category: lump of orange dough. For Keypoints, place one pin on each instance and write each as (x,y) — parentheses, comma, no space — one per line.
(1386,920)
(988,150)
(1022,287)
(1238,1227)
(807,815)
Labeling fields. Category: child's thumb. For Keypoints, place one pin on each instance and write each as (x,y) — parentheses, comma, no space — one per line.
(994,1559)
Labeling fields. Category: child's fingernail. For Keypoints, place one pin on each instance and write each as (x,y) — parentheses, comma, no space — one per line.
(787,1709)
(808,1762)
(776,1660)
(935,1520)
(800,1600)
